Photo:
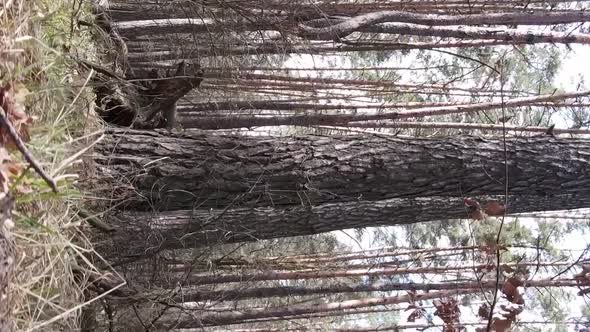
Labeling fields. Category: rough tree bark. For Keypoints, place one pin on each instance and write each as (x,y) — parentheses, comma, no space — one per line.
(240,121)
(468,126)
(136,234)
(316,259)
(248,292)
(170,171)
(187,321)
(162,52)
(513,35)
(344,27)
(176,278)
(160,317)
(134,29)
(298,12)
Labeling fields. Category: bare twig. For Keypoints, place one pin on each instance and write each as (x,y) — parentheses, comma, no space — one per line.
(498,236)
(98,68)
(20,145)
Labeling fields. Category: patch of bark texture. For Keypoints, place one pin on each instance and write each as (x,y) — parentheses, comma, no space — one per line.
(170,171)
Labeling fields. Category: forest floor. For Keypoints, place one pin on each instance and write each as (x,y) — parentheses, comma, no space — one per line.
(40,41)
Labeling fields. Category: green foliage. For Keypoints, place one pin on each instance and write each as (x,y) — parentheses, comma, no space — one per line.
(551,305)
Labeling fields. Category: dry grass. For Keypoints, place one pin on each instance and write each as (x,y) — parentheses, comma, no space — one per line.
(37,39)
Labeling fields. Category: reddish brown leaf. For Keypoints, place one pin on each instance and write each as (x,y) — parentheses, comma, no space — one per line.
(494,208)
(484,311)
(449,328)
(501,325)
(510,289)
(507,315)
(448,310)
(8,169)
(16,115)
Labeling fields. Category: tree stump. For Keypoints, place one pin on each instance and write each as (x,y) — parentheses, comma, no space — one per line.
(138,99)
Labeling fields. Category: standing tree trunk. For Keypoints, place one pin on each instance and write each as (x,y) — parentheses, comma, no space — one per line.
(145,233)
(250,292)
(185,321)
(343,28)
(234,121)
(193,171)
(316,274)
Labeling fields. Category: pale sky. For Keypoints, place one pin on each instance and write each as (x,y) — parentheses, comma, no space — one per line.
(576,63)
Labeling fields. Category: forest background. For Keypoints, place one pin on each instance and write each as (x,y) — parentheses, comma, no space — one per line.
(334,166)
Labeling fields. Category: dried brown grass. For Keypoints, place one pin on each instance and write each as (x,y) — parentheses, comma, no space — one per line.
(37,41)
